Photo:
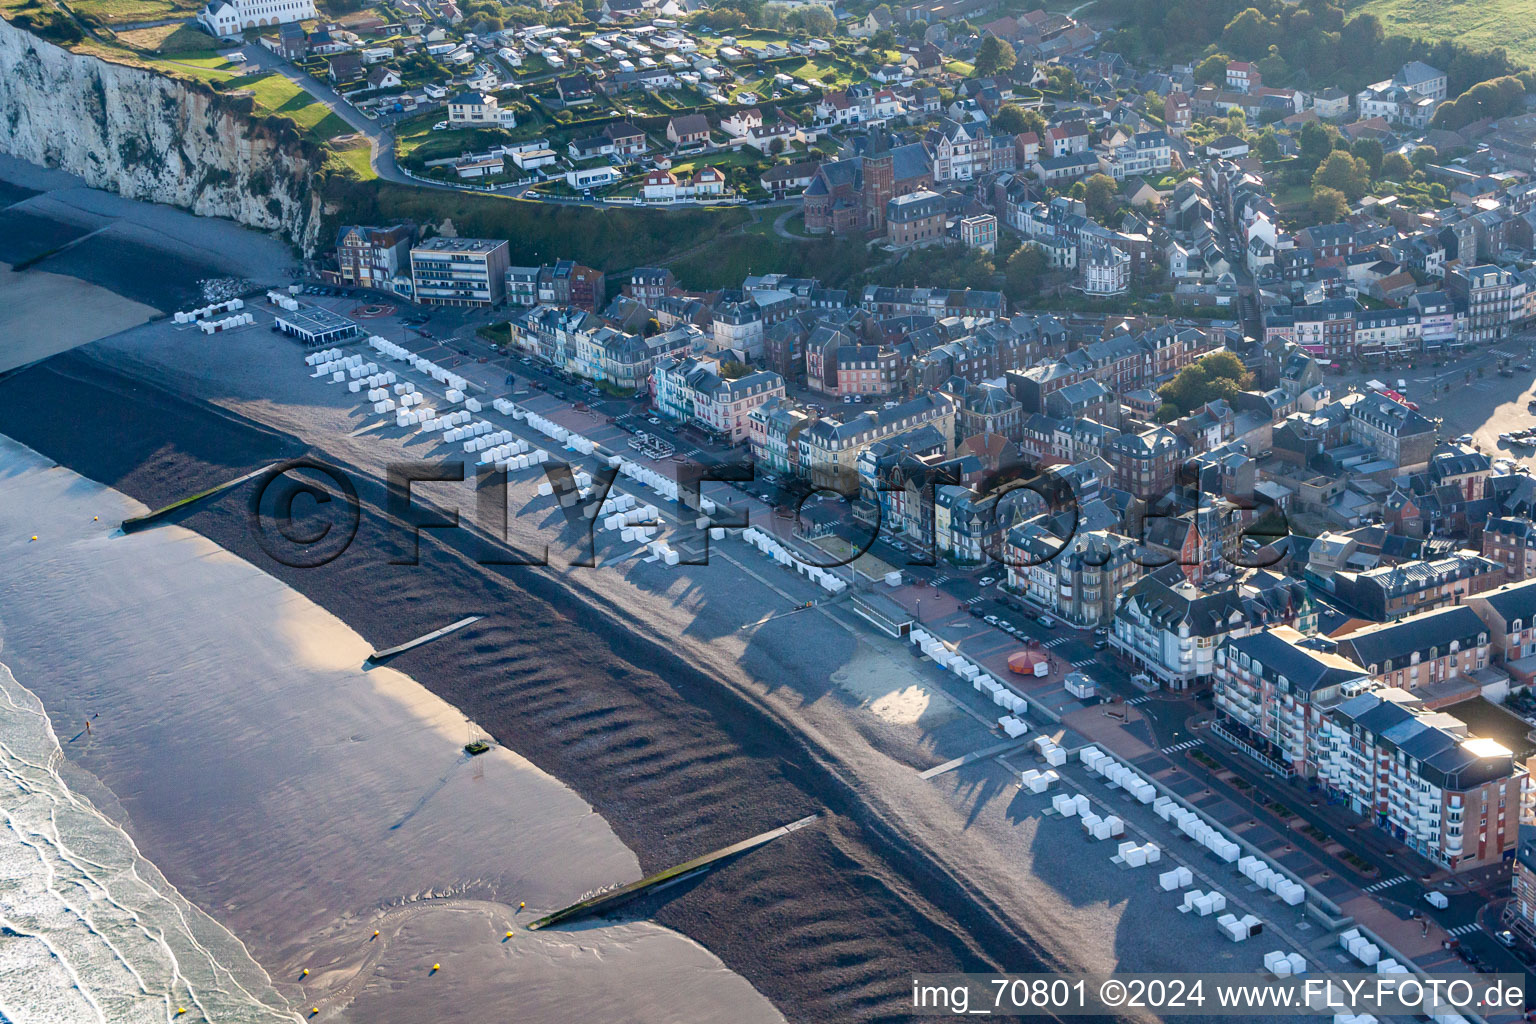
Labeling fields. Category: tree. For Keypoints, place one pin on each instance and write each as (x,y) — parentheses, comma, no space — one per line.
(1012,119)
(1220,375)
(1328,205)
(1101,196)
(1268,146)
(1248,34)
(1396,167)
(1422,156)
(1370,151)
(1236,122)
(776,146)
(1212,69)
(1316,143)
(733,370)
(1024,269)
(1349,175)
(994,55)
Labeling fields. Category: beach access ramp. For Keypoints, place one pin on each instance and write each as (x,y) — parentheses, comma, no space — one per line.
(615,897)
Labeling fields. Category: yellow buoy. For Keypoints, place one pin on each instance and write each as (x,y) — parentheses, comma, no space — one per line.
(314,1010)
(509,935)
(375,934)
(305,972)
(34,536)
(437,967)
(97,519)
(520,906)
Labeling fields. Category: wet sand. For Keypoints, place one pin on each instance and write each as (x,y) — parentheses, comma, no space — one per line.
(42,313)
(307,802)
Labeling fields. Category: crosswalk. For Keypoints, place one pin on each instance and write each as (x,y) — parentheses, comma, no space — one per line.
(1386,883)
(941,579)
(1180,746)
(977,599)
(1084,663)
(1461,931)
(1056,642)
(1139,700)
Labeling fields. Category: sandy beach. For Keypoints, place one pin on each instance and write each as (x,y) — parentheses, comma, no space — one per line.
(308,803)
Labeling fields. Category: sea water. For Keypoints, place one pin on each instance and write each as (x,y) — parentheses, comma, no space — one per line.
(90,931)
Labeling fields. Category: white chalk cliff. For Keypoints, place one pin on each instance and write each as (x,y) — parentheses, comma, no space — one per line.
(146,136)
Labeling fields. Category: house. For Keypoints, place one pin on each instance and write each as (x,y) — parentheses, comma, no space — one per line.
(782,180)
(1330,103)
(1227,147)
(345,69)
(741,123)
(1242,76)
(620,139)
(383,78)
(478,110)
(688,130)
(574,91)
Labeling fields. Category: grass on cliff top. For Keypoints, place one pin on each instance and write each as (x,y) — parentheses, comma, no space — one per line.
(119,12)
(274,94)
(351,154)
(181,40)
(1479,24)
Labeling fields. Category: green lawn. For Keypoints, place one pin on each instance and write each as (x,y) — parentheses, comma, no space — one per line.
(1476,23)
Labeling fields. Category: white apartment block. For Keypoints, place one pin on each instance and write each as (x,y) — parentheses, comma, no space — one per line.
(230,17)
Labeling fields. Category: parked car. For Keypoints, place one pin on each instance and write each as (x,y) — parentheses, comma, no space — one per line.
(1505,937)
(1046,621)
(1100,642)
(987,581)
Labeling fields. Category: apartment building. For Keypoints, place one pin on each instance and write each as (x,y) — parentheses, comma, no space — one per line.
(1145,464)
(1512,544)
(1422,777)
(1486,290)
(373,257)
(1271,690)
(1079,579)
(460,271)
(773,429)
(829,448)
(1423,653)
(917,218)
(693,391)
(1509,613)
(1170,628)
(1394,591)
